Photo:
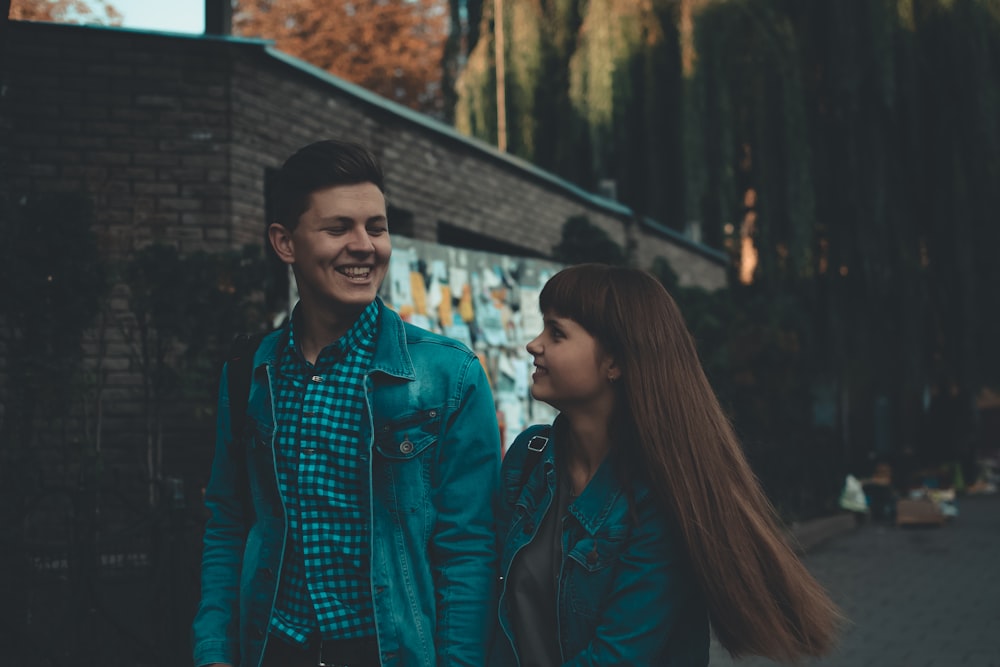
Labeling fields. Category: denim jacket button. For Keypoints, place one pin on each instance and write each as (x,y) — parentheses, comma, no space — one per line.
(406,446)
(432,414)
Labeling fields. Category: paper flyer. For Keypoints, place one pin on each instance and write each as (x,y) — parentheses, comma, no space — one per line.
(486,301)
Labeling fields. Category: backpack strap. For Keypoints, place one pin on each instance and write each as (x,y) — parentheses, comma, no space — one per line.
(536,447)
(239,372)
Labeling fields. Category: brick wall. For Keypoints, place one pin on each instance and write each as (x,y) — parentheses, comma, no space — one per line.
(172,136)
(432,172)
(139,121)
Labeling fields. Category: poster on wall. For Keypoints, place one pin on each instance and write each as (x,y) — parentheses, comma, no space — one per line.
(485,300)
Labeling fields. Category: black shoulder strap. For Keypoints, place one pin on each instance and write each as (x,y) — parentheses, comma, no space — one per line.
(239,374)
(239,370)
(536,446)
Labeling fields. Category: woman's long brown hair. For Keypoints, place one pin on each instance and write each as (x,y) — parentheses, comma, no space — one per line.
(761,599)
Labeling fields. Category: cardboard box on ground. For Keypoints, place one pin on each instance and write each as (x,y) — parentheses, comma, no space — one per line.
(930,503)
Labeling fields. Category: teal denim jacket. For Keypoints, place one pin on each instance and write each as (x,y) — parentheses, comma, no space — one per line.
(626,593)
(434,461)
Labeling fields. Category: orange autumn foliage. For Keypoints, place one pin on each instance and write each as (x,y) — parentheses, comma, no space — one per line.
(394,48)
(65,11)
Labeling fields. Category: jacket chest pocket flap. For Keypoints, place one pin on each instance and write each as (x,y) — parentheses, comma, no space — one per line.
(407,437)
(595,552)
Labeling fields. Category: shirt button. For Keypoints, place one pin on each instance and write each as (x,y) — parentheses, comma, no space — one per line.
(317,378)
(309,450)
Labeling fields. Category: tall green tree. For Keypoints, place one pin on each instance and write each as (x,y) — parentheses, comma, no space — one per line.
(844,151)
(588,94)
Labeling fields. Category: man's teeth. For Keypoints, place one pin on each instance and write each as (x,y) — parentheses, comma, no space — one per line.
(355,272)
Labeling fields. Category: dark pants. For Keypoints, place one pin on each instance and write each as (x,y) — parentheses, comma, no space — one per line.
(335,653)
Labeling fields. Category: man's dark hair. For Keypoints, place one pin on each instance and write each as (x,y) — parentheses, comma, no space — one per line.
(317,166)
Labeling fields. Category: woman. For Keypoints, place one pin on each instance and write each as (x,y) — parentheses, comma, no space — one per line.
(634,520)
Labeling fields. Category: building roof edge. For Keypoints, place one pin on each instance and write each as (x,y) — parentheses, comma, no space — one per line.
(268,47)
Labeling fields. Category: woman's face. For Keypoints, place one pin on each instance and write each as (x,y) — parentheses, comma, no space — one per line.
(572,369)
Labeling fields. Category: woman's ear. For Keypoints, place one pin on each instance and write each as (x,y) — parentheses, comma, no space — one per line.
(613,371)
(281,240)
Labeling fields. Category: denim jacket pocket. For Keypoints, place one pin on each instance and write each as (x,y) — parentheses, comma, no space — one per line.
(404,452)
(407,437)
(590,570)
(596,552)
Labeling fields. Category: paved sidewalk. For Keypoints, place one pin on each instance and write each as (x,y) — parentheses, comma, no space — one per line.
(915,597)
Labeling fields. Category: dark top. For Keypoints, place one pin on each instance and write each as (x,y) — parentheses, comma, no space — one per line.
(534,582)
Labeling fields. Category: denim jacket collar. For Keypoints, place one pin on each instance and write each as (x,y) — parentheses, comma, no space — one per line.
(391,354)
(594,505)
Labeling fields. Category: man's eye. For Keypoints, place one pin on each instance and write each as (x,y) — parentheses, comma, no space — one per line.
(376,230)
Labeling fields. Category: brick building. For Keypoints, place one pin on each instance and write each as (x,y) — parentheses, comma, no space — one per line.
(173,137)
(174,134)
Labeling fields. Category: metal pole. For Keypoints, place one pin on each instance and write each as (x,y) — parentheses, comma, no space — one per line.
(501,83)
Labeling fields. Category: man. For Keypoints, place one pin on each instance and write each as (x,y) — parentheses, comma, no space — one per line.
(353,524)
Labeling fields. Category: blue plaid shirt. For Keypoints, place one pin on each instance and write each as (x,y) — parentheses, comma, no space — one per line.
(325,580)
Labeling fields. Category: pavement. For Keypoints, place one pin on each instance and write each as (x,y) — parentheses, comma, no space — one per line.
(914,596)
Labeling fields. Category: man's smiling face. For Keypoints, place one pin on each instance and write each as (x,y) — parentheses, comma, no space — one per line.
(340,248)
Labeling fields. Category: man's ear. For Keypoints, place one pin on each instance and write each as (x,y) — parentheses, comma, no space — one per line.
(281,240)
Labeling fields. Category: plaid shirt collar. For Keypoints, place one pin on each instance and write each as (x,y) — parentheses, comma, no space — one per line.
(361,335)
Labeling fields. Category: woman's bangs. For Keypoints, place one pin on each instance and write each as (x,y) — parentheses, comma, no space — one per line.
(579,293)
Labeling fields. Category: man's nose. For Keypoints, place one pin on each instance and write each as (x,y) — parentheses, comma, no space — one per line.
(360,241)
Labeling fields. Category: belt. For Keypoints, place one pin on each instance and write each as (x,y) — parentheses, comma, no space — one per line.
(322,653)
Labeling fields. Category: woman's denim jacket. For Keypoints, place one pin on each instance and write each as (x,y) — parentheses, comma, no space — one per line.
(434,472)
(626,592)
